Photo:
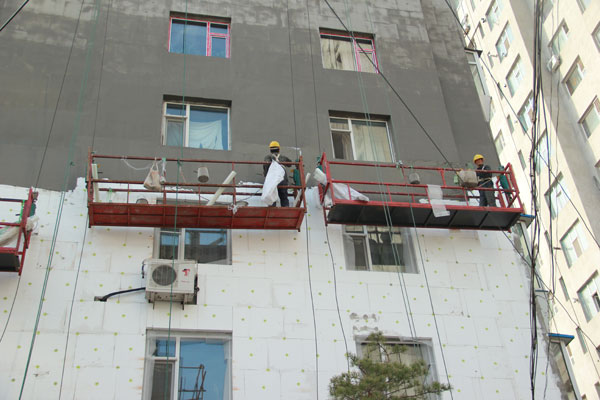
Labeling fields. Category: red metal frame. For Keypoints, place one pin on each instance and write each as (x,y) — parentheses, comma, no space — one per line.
(402,194)
(186,215)
(24,236)
(209,34)
(356,48)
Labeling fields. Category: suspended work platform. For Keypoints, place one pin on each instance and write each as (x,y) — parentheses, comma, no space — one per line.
(179,204)
(389,197)
(15,236)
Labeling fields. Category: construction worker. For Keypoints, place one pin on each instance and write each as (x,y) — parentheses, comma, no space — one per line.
(274,155)
(486,197)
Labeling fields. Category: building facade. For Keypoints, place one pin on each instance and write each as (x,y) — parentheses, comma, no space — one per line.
(276,310)
(567,151)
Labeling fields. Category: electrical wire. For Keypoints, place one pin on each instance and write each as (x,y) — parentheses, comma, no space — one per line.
(4,25)
(312,304)
(68,166)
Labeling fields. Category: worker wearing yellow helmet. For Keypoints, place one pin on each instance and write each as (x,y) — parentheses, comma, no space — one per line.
(486,196)
(274,155)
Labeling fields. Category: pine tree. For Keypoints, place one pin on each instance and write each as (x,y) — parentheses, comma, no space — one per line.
(380,375)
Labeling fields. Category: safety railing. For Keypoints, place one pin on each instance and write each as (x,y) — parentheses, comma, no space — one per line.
(15,236)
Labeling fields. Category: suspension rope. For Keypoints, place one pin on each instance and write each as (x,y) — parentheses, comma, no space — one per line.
(312,304)
(68,166)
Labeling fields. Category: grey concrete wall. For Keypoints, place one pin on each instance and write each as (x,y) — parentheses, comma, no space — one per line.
(277,91)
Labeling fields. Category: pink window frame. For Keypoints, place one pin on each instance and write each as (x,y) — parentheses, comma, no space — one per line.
(357,49)
(209,34)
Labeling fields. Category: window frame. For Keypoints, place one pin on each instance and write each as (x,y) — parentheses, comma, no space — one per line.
(556,47)
(506,36)
(351,132)
(356,50)
(181,244)
(596,36)
(558,187)
(150,360)
(574,229)
(494,9)
(209,35)
(595,105)
(524,114)
(499,142)
(515,76)
(410,266)
(576,67)
(186,121)
(473,60)
(593,282)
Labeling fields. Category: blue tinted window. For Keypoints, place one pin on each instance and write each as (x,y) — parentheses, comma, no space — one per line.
(194,34)
(175,133)
(161,348)
(203,365)
(175,109)
(209,128)
(220,29)
(219,47)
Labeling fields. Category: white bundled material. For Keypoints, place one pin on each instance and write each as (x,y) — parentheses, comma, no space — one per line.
(274,176)
(9,233)
(436,201)
(341,191)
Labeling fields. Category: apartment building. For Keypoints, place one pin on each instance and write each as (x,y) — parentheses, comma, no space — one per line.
(139,259)
(567,151)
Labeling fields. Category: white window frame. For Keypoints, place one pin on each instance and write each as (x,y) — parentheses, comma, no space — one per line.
(154,334)
(588,296)
(555,45)
(185,119)
(525,117)
(506,38)
(594,107)
(474,61)
(181,244)
(410,266)
(515,76)
(351,133)
(557,196)
(573,233)
(596,36)
(494,12)
(578,68)
(499,142)
(583,4)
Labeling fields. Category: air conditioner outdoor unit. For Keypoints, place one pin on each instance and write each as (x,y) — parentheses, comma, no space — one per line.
(553,63)
(164,273)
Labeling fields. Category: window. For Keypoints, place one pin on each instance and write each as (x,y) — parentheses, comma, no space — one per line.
(493,13)
(588,297)
(557,196)
(205,246)
(188,366)
(200,126)
(503,43)
(515,77)
(557,352)
(564,288)
(547,8)
(543,152)
(499,142)
(406,352)
(559,39)
(591,119)
(341,51)
(200,37)
(522,161)
(596,36)
(375,248)
(490,59)
(473,61)
(573,243)
(509,122)
(582,340)
(481,32)
(575,75)
(526,113)
(492,109)
(360,139)
(584,4)
(597,387)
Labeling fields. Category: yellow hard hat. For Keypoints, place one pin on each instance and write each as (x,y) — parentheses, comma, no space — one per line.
(274,143)
(477,157)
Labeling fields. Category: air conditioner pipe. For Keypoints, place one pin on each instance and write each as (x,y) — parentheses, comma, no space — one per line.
(220,190)
(106,297)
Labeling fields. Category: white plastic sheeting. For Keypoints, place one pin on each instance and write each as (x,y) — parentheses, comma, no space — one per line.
(274,177)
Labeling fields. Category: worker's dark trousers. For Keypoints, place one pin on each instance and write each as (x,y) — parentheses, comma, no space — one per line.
(487,197)
(283,195)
